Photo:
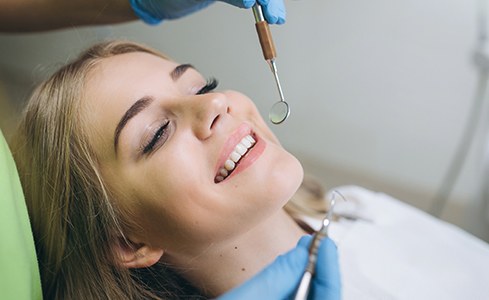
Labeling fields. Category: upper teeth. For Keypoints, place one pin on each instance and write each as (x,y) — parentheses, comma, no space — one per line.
(239,151)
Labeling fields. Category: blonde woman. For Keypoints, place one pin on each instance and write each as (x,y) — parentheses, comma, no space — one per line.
(143,181)
(19,277)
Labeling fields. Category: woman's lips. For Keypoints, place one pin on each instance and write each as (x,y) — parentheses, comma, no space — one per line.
(241,149)
(250,157)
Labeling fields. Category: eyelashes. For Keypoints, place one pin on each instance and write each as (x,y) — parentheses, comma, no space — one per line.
(162,131)
(210,85)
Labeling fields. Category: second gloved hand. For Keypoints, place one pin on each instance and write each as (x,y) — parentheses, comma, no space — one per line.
(155,11)
(281,278)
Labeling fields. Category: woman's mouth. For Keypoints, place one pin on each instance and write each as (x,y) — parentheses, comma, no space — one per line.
(230,164)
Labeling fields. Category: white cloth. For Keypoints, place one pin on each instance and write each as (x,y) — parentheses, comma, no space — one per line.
(401,252)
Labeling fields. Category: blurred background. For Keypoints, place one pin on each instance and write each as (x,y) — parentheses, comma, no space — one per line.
(380,90)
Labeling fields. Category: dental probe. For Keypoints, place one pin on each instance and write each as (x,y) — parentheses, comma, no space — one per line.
(280,110)
(305,283)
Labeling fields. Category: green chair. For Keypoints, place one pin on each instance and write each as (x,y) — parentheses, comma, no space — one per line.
(19,272)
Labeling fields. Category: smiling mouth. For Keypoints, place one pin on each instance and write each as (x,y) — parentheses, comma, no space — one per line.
(240,150)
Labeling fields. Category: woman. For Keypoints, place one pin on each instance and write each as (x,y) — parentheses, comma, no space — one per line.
(143,182)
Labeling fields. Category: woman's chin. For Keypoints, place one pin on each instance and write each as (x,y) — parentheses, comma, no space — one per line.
(296,181)
(287,180)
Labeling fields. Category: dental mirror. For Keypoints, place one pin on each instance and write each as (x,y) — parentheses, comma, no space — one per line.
(279,112)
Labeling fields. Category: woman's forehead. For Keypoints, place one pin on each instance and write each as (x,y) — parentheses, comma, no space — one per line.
(134,62)
(124,77)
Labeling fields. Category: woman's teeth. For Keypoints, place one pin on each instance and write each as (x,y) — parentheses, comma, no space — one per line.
(239,151)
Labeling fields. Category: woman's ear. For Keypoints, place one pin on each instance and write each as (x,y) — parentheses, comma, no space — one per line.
(133,255)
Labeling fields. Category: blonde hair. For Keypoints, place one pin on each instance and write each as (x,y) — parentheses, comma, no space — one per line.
(74,221)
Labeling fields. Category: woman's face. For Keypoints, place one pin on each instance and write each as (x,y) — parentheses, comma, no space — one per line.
(162,139)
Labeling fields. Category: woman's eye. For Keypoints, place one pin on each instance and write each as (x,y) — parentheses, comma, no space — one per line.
(162,132)
(209,86)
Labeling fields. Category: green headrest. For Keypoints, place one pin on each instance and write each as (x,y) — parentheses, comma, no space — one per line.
(19,272)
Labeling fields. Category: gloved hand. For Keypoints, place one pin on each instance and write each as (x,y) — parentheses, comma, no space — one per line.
(155,11)
(281,278)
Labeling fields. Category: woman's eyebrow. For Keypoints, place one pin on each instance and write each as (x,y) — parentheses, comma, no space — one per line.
(179,70)
(144,102)
(136,108)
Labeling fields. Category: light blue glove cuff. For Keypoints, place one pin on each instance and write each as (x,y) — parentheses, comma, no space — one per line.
(154,11)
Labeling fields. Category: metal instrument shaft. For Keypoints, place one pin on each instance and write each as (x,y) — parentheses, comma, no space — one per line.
(305,283)
(269,53)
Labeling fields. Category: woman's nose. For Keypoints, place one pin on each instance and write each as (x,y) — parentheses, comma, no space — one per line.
(207,111)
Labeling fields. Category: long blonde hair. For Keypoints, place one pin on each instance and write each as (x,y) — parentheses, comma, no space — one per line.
(74,221)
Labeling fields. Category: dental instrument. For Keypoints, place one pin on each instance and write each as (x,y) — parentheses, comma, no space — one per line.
(280,110)
(306,280)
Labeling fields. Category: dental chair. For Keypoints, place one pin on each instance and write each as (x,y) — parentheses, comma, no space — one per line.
(19,272)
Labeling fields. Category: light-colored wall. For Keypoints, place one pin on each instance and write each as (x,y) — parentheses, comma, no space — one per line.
(379,90)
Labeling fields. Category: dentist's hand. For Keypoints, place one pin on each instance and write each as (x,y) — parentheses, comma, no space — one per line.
(155,11)
(281,279)
(273,10)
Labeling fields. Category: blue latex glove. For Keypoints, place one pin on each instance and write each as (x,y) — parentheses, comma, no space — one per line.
(155,11)
(281,278)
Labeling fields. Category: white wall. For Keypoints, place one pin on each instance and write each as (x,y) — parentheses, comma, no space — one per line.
(379,87)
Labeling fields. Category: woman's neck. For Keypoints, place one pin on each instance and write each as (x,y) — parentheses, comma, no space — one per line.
(223,266)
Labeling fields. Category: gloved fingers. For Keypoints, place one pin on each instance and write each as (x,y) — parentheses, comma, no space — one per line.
(278,280)
(305,241)
(274,11)
(240,3)
(154,11)
(246,3)
(327,281)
